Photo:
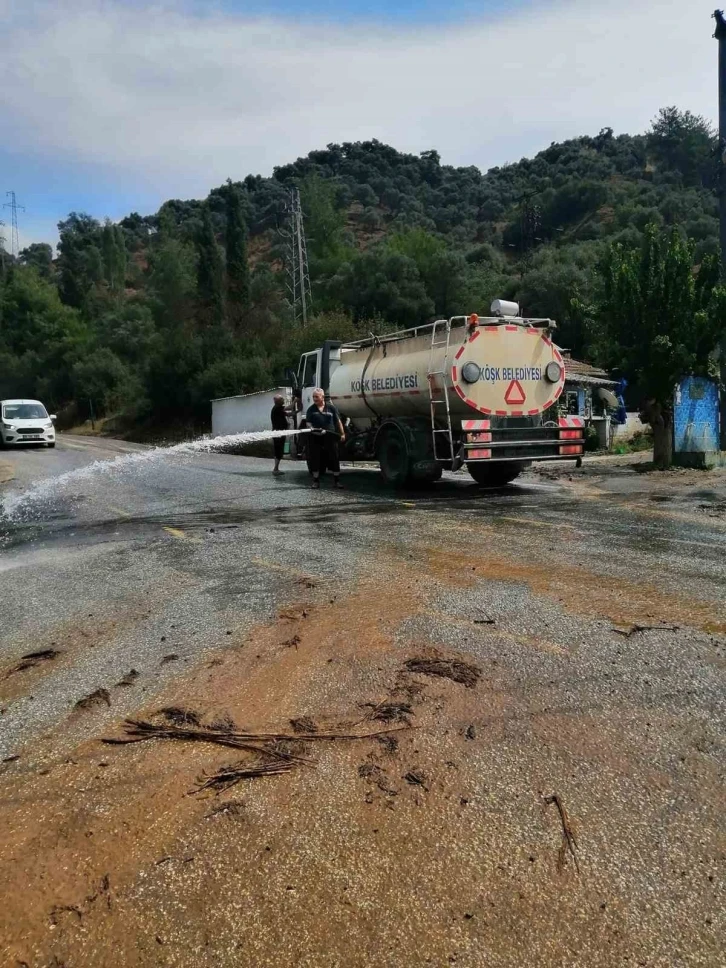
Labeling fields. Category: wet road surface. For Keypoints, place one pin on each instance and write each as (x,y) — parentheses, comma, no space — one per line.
(593,612)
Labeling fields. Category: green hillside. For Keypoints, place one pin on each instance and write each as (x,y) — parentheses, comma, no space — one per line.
(159,313)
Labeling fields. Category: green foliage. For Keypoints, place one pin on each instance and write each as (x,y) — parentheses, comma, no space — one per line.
(686,144)
(39,337)
(39,255)
(113,248)
(171,279)
(103,381)
(382,283)
(152,314)
(79,258)
(658,320)
(210,275)
(238,273)
(229,376)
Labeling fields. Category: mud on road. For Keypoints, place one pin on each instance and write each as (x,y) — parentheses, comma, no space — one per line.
(520,696)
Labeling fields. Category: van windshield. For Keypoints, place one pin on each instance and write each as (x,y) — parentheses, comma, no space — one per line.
(24,411)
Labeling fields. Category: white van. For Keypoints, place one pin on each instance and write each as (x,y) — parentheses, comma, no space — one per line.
(25,422)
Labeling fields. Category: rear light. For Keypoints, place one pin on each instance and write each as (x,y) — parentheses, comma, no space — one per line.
(553,372)
(473,319)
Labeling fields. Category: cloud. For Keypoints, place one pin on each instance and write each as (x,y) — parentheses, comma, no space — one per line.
(175,101)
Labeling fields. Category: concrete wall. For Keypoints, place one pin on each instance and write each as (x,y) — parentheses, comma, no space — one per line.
(632,426)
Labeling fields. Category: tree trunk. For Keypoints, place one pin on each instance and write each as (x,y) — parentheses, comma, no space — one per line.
(661,420)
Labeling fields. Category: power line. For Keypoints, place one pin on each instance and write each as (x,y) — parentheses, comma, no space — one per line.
(296,260)
(13,206)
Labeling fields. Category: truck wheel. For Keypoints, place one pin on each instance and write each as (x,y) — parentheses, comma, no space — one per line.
(428,473)
(393,457)
(493,475)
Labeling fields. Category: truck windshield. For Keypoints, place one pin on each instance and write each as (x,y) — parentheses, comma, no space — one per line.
(24,411)
(310,370)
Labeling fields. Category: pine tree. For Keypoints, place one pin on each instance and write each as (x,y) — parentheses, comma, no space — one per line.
(210,275)
(113,250)
(238,273)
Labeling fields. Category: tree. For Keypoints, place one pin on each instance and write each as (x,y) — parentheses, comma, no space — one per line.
(40,335)
(79,258)
(383,284)
(210,275)
(40,256)
(659,320)
(685,143)
(324,225)
(441,268)
(113,248)
(103,382)
(238,272)
(171,276)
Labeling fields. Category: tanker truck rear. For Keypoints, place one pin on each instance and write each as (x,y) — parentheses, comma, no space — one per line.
(480,391)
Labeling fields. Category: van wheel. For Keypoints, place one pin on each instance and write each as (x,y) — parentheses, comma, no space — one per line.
(393,457)
(493,475)
(51,445)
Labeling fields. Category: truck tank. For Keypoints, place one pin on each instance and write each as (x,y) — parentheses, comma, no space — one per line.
(502,367)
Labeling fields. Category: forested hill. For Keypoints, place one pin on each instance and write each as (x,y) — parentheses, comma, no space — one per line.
(161,312)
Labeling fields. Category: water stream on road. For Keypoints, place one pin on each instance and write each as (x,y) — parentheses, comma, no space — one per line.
(17,506)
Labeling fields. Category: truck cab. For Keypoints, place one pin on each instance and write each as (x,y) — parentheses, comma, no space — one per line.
(314,370)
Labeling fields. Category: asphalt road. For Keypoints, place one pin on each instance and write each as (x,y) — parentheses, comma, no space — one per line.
(593,609)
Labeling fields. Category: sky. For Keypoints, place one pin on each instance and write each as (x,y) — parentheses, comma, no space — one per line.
(113,106)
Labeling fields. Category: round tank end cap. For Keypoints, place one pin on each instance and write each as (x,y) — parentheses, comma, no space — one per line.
(470,372)
(553,372)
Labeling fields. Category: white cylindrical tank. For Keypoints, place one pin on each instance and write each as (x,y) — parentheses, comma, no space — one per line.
(507,369)
(501,307)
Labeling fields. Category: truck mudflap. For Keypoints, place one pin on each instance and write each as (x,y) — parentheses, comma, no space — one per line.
(564,438)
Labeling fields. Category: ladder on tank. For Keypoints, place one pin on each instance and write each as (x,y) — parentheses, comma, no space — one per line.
(443,340)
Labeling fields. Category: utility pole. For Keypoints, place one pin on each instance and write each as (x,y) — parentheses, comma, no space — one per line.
(13,206)
(296,260)
(530,219)
(720,36)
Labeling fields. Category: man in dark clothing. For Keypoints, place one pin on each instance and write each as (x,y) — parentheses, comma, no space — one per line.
(278,416)
(327,430)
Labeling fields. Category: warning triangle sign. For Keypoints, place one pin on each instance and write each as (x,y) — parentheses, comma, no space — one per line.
(515,394)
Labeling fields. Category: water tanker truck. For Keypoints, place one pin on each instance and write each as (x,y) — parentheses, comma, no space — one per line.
(480,391)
